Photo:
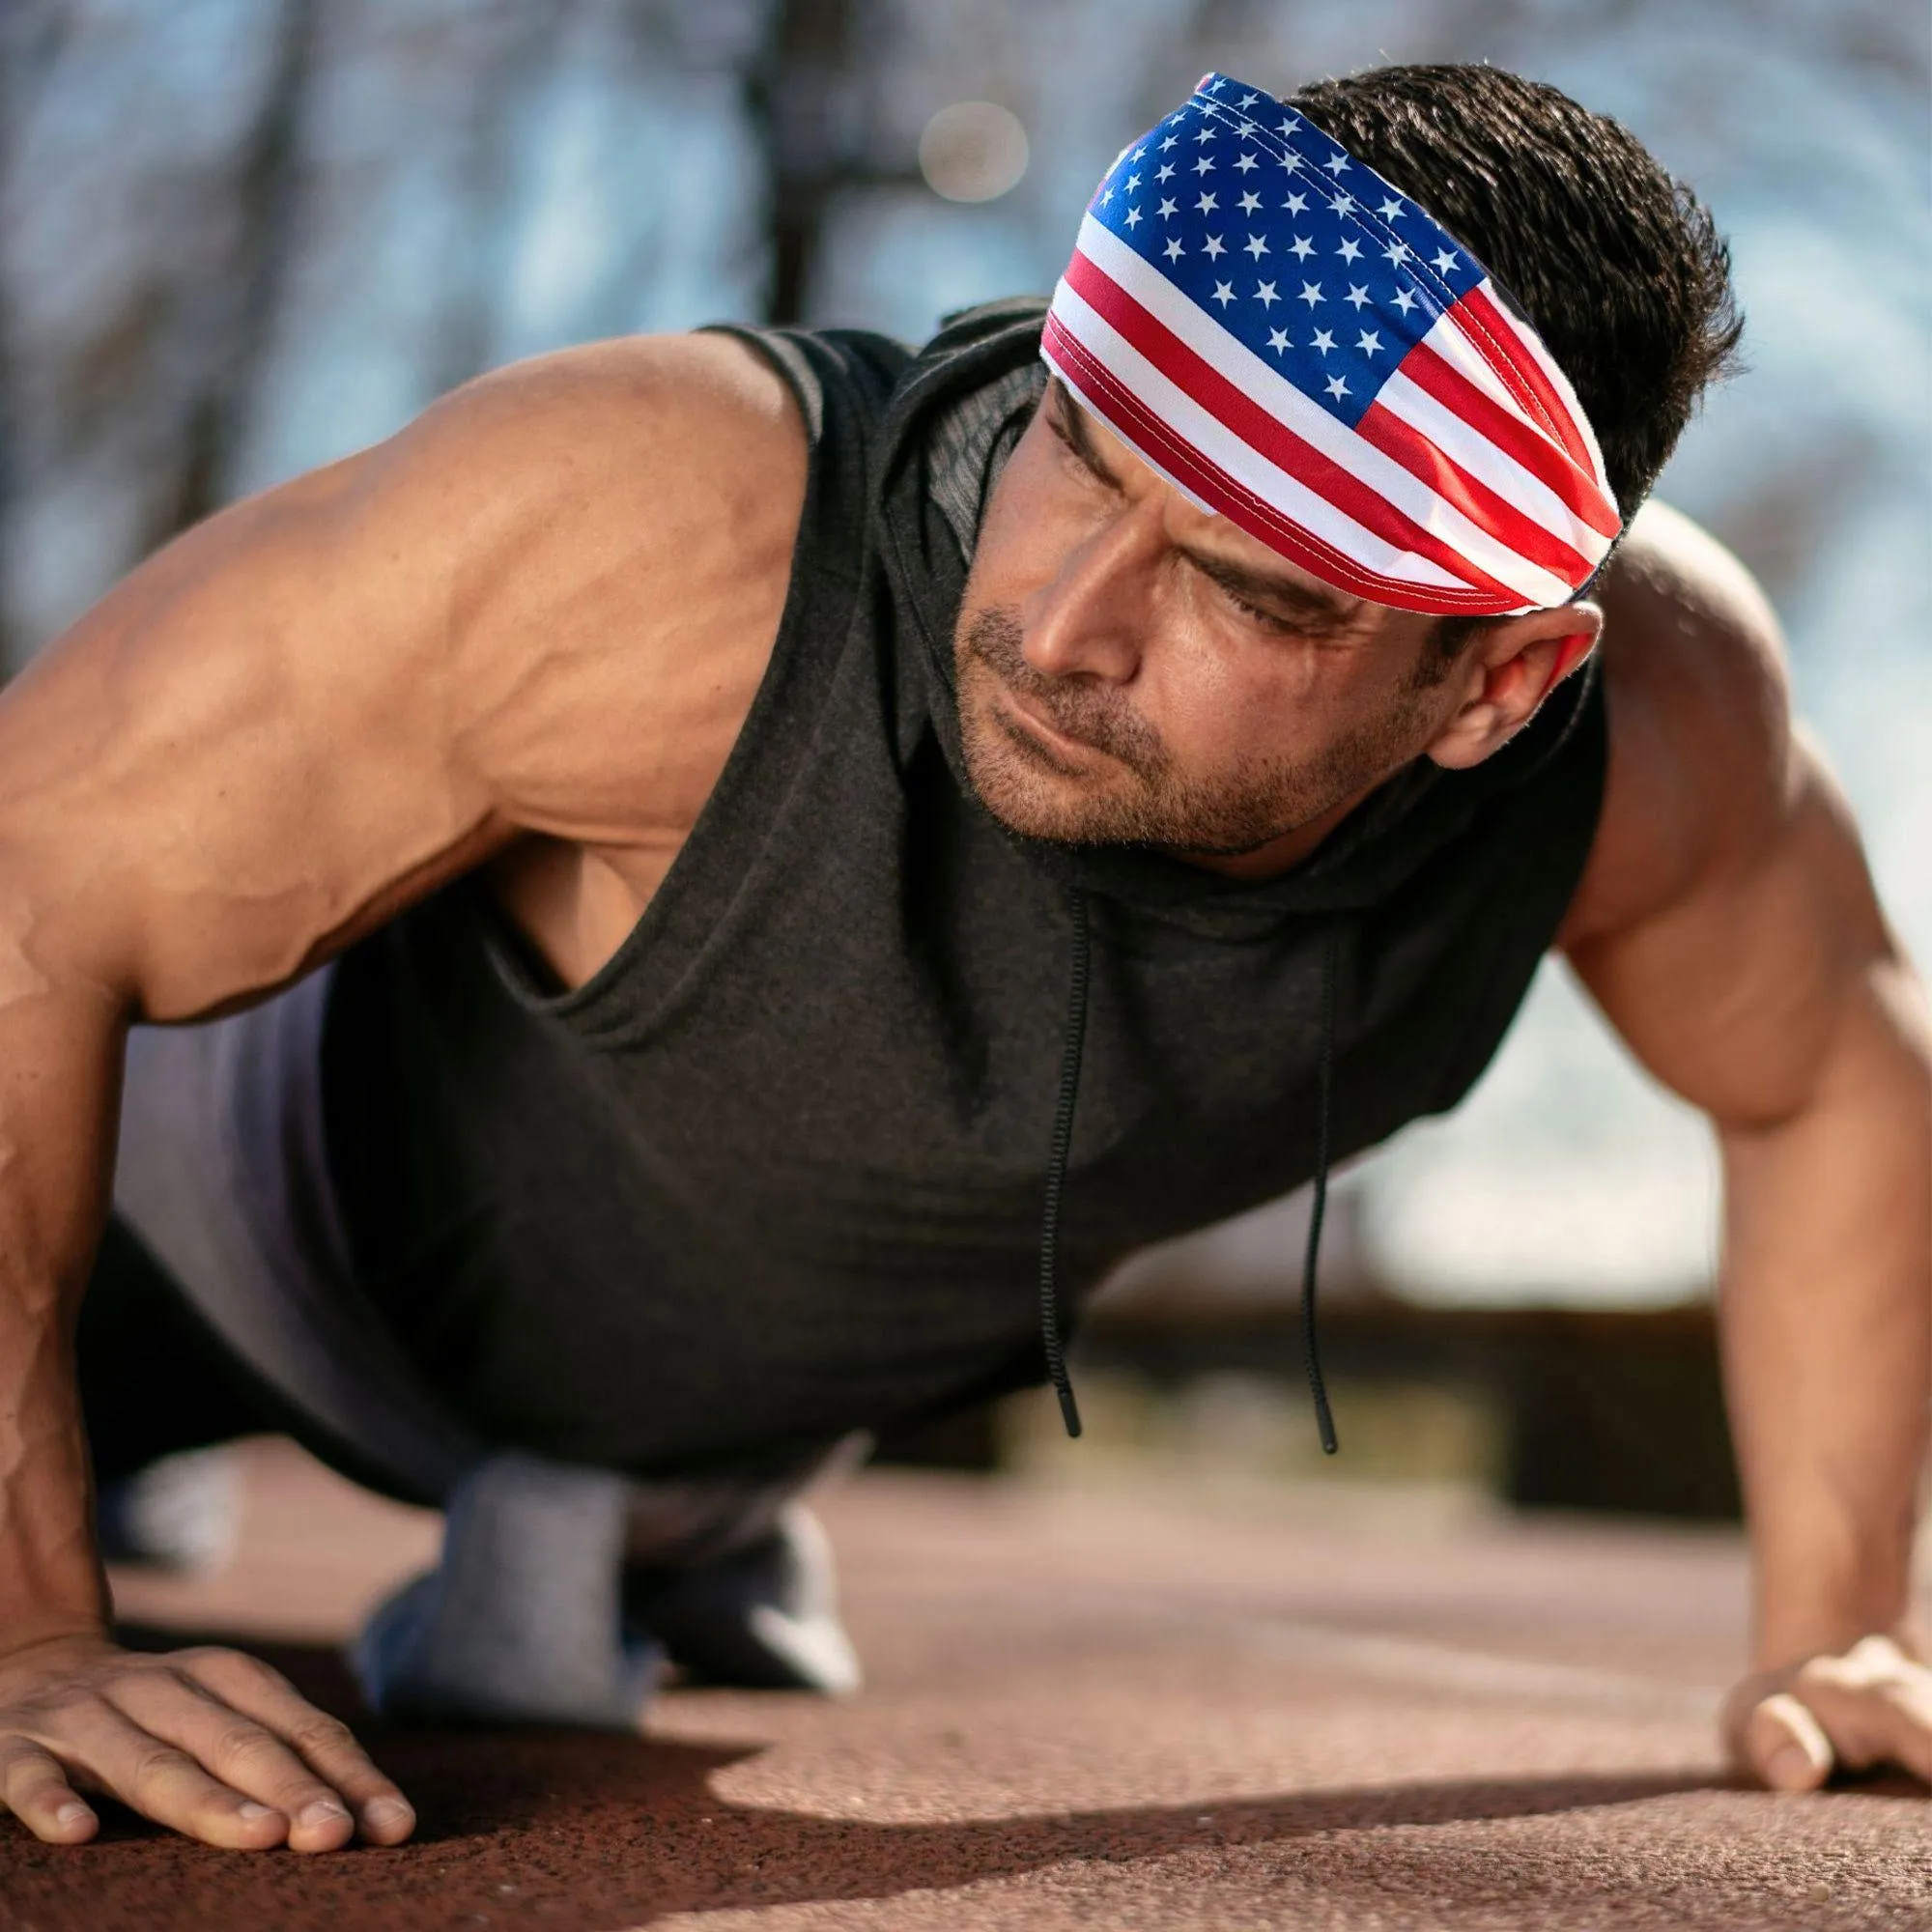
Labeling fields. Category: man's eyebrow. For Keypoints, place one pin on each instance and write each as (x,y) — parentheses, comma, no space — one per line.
(1311,609)
(1068,422)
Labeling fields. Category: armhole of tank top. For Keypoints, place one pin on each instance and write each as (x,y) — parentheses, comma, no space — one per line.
(581,1008)
(1510,975)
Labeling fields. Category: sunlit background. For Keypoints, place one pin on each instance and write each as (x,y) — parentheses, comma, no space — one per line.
(238,238)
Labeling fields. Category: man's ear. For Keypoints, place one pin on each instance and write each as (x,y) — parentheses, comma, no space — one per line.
(1512,666)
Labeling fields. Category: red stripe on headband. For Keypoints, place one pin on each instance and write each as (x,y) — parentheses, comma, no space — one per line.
(1101,391)
(1403,443)
(1430,372)
(1523,372)
(1269,438)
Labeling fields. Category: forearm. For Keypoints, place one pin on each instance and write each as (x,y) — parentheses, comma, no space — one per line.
(1826,1313)
(60,1055)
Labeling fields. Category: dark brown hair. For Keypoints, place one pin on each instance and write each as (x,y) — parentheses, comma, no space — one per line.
(1615,262)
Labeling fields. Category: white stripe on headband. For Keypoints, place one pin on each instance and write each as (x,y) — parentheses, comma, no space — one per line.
(1293,344)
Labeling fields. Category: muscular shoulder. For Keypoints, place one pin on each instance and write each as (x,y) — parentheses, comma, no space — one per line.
(683,447)
(618,591)
(1703,762)
(541,609)
(616,525)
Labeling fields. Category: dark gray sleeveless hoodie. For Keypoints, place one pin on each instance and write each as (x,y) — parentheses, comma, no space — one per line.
(777,1170)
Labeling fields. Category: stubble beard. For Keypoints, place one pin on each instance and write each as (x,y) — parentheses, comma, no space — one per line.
(1143,800)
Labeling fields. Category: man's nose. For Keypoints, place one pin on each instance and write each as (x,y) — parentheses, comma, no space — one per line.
(1090,618)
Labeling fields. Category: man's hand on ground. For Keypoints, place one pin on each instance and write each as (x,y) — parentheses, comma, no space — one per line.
(1791,1728)
(214,1743)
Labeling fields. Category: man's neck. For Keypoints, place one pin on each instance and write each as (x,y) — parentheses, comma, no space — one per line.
(1281,854)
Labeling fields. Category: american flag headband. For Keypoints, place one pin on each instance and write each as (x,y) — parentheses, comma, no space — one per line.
(1290,343)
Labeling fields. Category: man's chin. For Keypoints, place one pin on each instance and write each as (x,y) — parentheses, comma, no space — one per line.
(1025,785)
(1033,799)
(1021,809)
(1062,811)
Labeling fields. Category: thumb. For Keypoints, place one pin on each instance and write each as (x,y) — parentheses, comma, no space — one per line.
(1784,1746)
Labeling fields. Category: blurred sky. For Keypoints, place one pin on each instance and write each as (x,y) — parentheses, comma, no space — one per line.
(478,180)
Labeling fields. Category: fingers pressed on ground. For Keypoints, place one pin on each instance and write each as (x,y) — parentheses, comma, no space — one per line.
(1906,1726)
(1875,1705)
(245,1755)
(325,1743)
(35,1788)
(158,1780)
(1785,1746)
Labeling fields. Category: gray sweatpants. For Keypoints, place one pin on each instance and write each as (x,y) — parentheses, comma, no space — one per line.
(561,1588)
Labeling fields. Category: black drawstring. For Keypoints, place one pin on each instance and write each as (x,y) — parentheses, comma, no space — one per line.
(1056,1182)
(1056,1170)
(1325,1421)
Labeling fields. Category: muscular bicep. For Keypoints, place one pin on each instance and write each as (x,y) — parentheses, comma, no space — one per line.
(231,763)
(1726,921)
(1735,994)
(322,703)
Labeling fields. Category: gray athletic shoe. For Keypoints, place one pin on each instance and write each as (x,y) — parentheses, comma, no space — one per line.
(763,1618)
(540,1611)
(519,1622)
(182,1513)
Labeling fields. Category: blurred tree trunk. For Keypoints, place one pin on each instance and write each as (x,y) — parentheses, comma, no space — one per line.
(267,194)
(799,91)
(510,43)
(810,95)
(30,36)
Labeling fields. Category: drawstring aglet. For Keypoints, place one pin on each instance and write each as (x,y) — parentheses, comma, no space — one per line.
(1070,1413)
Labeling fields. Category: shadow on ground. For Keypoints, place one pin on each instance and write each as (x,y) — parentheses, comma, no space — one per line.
(590,1830)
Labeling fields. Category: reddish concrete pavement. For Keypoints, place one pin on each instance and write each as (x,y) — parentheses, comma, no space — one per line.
(1106,1709)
